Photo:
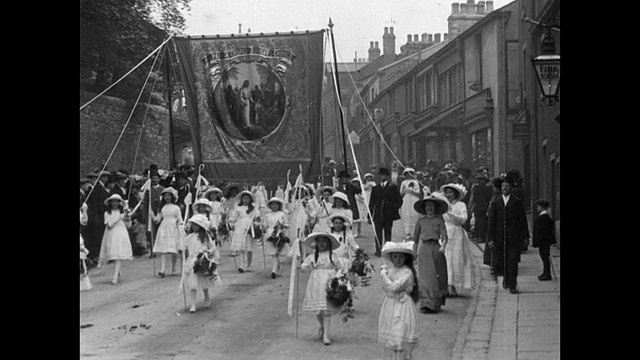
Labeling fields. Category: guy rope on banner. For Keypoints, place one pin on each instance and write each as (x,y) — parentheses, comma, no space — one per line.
(123,130)
(125,75)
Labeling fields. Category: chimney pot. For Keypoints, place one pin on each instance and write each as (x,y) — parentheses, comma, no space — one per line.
(455,8)
(488,6)
(470,2)
(446,36)
(416,38)
(376,44)
(424,37)
(480,7)
(437,38)
(391,30)
(464,8)
(371,45)
(408,38)
(430,38)
(386,30)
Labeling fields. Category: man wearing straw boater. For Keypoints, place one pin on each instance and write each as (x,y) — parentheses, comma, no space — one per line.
(384,208)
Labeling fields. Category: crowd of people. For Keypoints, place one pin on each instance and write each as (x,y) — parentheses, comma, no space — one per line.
(171,214)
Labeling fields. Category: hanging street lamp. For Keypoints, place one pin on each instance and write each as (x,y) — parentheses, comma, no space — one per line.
(547,67)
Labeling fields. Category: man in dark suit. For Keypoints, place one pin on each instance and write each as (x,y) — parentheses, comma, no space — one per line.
(184,188)
(95,214)
(507,233)
(384,206)
(479,201)
(544,236)
(156,200)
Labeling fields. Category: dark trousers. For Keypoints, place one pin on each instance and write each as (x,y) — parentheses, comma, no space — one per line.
(510,269)
(545,252)
(380,230)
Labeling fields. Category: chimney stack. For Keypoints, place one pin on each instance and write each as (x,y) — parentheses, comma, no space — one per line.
(388,46)
(488,6)
(374,52)
(436,38)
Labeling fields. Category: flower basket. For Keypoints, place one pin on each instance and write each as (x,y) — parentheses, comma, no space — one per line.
(340,294)
(204,264)
(361,268)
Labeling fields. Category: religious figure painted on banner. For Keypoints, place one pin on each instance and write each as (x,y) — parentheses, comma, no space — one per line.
(250,100)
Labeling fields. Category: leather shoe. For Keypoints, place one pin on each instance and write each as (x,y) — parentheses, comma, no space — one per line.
(513,290)
(545,277)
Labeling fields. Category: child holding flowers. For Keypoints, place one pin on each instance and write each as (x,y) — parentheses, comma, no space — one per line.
(397,322)
(323,264)
(339,225)
(273,224)
(199,271)
(242,219)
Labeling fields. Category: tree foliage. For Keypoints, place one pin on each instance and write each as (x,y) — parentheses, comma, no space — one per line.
(115,35)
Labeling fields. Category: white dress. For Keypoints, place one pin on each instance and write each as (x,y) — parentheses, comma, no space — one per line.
(269,221)
(315,297)
(216,214)
(115,241)
(242,238)
(348,246)
(193,245)
(457,250)
(298,219)
(170,232)
(397,322)
(410,191)
(324,210)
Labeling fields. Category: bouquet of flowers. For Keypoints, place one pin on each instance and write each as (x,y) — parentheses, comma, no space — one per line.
(340,294)
(361,267)
(204,264)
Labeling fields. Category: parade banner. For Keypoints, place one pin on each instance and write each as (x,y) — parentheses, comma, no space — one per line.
(253,103)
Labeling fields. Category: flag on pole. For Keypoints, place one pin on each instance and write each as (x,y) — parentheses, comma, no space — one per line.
(295,254)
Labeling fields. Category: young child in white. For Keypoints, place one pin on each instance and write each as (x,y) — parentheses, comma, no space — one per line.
(116,245)
(339,225)
(324,208)
(273,225)
(241,220)
(199,242)
(323,264)
(170,230)
(397,322)
(217,216)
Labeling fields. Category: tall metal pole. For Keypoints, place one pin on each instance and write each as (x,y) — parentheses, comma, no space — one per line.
(172,154)
(335,66)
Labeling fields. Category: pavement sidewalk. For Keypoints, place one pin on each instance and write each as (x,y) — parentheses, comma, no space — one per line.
(501,325)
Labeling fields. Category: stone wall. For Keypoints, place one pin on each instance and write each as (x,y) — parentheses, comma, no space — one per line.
(101,123)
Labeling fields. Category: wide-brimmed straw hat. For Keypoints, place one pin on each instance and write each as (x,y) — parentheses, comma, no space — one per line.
(345,219)
(408,170)
(276,199)
(322,189)
(211,190)
(171,191)
(310,241)
(367,175)
(398,247)
(441,205)
(462,191)
(201,220)
(247,192)
(113,197)
(340,195)
(202,201)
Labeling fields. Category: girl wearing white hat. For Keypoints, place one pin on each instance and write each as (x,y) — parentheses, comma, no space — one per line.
(325,202)
(241,220)
(341,205)
(457,252)
(115,245)
(339,226)
(410,191)
(196,245)
(170,230)
(273,225)
(397,322)
(217,216)
(322,264)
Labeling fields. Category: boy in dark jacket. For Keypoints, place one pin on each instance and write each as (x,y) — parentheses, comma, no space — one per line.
(543,236)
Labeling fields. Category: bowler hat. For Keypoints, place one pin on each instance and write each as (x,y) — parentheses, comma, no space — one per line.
(384,171)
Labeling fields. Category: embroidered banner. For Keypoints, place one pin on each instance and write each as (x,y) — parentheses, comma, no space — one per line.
(254,103)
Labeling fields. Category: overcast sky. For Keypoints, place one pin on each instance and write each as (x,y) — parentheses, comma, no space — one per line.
(356,22)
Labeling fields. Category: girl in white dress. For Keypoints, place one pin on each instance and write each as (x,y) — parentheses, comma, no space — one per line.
(116,245)
(397,322)
(273,225)
(241,220)
(324,208)
(362,208)
(196,243)
(339,225)
(323,264)
(410,191)
(170,231)
(217,215)
(457,251)
(341,205)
